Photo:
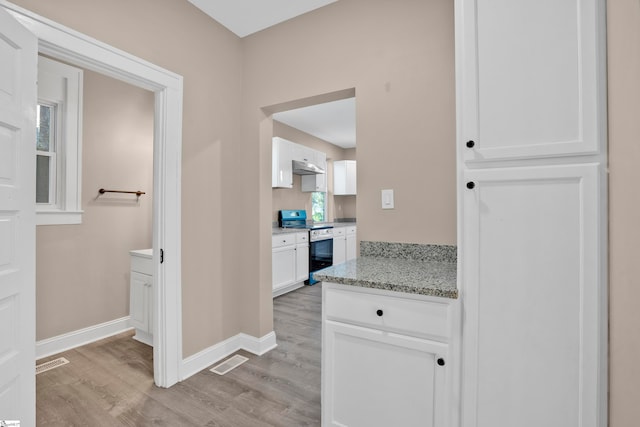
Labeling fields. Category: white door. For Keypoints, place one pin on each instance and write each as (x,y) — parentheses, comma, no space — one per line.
(18,65)
(533,324)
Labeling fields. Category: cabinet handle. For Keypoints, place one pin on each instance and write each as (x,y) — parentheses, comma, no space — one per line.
(440,361)
(471,185)
(379,312)
(470,144)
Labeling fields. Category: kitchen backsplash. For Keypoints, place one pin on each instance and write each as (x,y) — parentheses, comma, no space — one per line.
(415,251)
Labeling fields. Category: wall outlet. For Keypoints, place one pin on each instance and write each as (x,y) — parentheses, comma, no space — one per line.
(387,199)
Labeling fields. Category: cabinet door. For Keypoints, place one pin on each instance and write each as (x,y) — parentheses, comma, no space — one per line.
(373,378)
(316,182)
(282,167)
(351,247)
(530,78)
(139,301)
(283,266)
(339,249)
(302,262)
(344,177)
(535,318)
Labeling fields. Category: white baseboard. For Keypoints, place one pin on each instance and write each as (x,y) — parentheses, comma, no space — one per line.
(64,342)
(209,356)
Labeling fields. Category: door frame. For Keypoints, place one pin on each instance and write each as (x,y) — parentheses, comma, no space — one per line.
(76,48)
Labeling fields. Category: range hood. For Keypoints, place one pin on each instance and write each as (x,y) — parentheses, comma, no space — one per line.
(306,168)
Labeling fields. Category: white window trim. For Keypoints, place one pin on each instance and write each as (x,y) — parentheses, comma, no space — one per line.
(67,208)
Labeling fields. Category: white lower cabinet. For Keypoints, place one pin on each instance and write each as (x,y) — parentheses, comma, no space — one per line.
(351,249)
(385,358)
(533,297)
(344,244)
(339,246)
(289,261)
(141,295)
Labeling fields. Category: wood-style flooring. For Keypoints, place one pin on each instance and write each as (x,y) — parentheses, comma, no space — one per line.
(110,382)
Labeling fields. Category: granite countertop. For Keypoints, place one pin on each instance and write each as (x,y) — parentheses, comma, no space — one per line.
(409,268)
(278,230)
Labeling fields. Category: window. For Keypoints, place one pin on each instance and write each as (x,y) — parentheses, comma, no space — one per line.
(318,206)
(58,144)
(46,154)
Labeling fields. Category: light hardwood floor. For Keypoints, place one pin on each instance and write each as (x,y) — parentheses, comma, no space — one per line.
(110,382)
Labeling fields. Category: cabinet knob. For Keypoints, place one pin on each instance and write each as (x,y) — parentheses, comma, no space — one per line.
(440,361)
(470,144)
(379,312)
(471,185)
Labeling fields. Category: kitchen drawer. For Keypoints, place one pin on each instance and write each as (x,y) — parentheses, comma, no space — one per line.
(339,231)
(302,238)
(279,240)
(351,230)
(423,319)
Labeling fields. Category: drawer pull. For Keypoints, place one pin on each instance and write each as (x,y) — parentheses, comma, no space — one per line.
(440,361)
(379,312)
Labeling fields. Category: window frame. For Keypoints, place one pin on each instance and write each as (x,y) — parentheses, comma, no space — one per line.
(61,85)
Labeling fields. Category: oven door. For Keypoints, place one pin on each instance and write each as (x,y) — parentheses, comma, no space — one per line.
(320,255)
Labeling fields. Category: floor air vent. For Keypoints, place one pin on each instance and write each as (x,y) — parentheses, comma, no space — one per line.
(47,366)
(229,364)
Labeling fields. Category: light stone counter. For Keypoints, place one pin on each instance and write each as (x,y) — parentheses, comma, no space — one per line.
(409,268)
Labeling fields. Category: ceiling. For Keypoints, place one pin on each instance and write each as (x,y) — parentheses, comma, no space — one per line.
(334,122)
(245,17)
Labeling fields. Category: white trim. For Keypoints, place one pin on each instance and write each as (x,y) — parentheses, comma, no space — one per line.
(81,337)
(287,289)
(76,48)
(258,346)
(59,217)
(209,356)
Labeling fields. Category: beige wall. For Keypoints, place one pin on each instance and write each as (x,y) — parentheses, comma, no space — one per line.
(175,35)
(624,211)
(405,118)
(293,198)
(83,270)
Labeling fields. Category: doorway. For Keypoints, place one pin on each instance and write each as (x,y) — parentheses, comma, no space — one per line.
(59,42)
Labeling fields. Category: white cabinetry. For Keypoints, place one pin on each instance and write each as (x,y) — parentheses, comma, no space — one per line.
(316,182)
(282,156)
(339,245)
(344,177)
(302,257)
(532,212)
(141,295)
(344,244)
(290,261)
(282,167)
(351,250)
(385,358)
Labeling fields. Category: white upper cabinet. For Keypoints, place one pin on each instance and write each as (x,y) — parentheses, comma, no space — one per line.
(344,177)
(530,80)
(316,182)
(282,168)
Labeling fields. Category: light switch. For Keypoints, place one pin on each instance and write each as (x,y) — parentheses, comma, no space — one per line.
(387,199)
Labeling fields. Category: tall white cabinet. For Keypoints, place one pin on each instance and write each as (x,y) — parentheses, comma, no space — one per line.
(532,212)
